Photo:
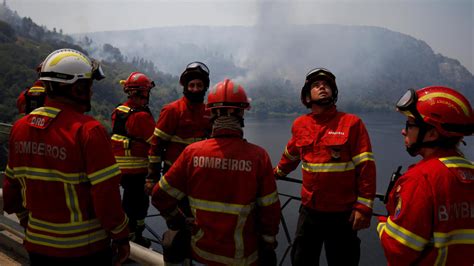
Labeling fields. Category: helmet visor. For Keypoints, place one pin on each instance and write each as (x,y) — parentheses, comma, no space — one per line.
(199,65)
(408,101)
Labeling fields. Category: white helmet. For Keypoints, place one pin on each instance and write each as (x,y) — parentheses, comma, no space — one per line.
(68,66)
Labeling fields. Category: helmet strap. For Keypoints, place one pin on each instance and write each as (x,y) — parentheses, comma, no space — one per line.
(323,102)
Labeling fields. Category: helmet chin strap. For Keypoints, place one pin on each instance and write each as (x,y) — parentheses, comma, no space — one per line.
(414,148)
(323,102)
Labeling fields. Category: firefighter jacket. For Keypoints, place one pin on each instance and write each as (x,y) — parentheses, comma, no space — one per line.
(132,130)
(337,162)
(62,179)
(431,214)
(180,124)
(232,194)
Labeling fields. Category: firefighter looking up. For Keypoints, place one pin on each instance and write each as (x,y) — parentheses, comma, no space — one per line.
(62,180)
(31,98)
(338,175)
(180,123)
(431,208)
(231,190)
(132,129)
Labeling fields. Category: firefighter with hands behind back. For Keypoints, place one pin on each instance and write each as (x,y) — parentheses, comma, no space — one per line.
(180,123)
(231,191)
(62,180)
(132,129)
(338,175)
(431,206)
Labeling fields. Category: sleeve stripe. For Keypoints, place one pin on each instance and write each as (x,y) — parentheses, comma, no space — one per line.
(404,236)
(268,199)
(173,192)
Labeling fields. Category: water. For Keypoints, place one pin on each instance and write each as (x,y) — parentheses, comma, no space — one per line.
(387,144)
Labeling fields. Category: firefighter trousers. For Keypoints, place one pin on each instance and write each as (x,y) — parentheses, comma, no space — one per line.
(135,201)
(333,229)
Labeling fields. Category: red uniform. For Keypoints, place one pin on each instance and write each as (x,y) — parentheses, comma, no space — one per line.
(62,177)
(132,132)
(338,164)
(431,214)
(31,98)
(180,124)
(232,194)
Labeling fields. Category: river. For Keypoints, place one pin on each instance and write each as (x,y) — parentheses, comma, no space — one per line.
(387,143)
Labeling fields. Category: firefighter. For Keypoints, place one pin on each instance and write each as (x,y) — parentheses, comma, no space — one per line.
(132,129)
(231,191)
(62,180)
(180,123)
(431,208)
(338,175)
(32,97)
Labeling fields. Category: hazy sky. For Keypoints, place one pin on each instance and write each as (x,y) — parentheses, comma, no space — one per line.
(446,25)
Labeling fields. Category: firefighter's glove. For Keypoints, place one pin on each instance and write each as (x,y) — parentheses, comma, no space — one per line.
(121,250)
(154,171)
(359,220)
(176,246)
(266,253)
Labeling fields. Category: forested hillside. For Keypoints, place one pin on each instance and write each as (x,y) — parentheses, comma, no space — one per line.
(23,45)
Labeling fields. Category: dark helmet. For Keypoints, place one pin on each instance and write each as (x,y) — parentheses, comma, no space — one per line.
(195,70)
(318,74)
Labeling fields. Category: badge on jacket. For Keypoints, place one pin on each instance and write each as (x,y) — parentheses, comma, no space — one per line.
(398,209)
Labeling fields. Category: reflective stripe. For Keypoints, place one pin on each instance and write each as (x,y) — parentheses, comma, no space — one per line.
(222,207)
(9,172)
(280,172)
(167,162)
(121,226)
(23,190)
(360,158)
(128,162)
(104,174)
(173,192)
(36,89)
(442,256)
(461,236)
(219,258)
(185,141)
(49,175)
(455,162)
(46,111)
(149,139)
(381,229)
(154,159)
(72,202)
(291,157)
(327,167)
(64,228)
(404,236)
(123,108)
(120,138)
(65,242)
(367,202)
(268,199)
(161,134)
